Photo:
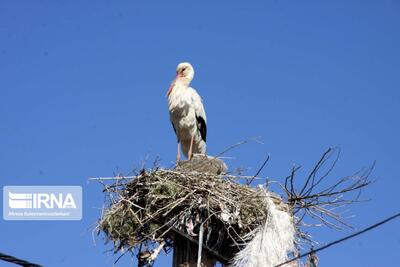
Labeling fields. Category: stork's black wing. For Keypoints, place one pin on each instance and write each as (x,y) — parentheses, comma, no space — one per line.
(202,126)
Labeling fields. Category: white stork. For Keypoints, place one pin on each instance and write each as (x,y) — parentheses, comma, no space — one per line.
(187,113)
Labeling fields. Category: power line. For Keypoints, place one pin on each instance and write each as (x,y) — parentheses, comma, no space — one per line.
(342,239)
(24,263)
(17,261)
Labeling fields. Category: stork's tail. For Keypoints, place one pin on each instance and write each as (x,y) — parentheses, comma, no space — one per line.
(272,241)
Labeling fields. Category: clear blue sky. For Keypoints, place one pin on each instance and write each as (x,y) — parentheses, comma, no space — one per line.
(82,94)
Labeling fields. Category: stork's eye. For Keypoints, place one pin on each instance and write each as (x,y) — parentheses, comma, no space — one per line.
(183,69)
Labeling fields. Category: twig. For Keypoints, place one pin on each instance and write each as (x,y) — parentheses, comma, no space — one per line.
(238,144)
(259,170)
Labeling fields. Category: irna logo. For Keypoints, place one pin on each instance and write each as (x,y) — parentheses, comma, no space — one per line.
(42,202)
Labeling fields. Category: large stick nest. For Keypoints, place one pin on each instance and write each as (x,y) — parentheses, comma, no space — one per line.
(156,205)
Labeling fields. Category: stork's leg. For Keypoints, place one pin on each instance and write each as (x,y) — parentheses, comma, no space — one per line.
(191,148)
(178,153)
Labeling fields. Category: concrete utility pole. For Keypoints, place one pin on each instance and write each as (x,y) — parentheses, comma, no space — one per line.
(185,254)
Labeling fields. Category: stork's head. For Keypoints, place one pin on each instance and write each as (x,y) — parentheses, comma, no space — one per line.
(185,72)
(184,75)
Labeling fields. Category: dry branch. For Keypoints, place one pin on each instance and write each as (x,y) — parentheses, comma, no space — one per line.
(323,201)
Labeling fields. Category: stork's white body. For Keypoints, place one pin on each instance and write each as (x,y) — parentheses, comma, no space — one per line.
(184,105)
(187,113)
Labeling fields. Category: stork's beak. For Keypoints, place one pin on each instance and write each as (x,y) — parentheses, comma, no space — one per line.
(172,86)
